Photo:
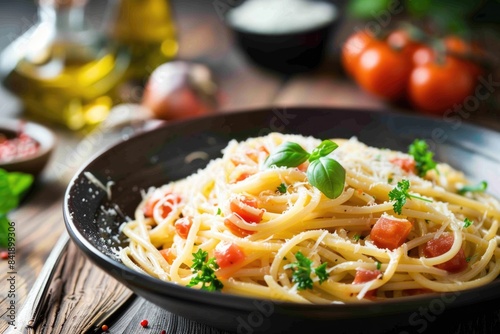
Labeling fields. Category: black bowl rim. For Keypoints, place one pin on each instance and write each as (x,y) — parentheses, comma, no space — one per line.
(349,310)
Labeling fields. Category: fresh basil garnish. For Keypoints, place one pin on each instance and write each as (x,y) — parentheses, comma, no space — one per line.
(324,173)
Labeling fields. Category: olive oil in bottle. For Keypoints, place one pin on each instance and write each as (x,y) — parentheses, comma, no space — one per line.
(63,70)
(146,29)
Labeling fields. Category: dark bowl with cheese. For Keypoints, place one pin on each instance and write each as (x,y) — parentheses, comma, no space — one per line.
(284,45)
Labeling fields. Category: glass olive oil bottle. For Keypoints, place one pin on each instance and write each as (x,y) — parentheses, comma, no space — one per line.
(62,69)
(147,30)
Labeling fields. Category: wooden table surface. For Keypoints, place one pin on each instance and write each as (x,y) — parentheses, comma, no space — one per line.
(80,287)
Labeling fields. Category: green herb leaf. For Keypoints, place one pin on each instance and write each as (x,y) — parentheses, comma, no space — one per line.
(480,187)
(321,272)
(4,230)
(219,212)
(356,237)
(205,272)
(400,194)
(467,222)
(282,188)
(288,154)
(302,270)
(326,147)
(424,159)
(324,173)
(379,265)
(13,186)
(327,175)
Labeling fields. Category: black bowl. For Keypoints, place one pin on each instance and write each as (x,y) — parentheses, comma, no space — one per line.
(286,52)
(159,156)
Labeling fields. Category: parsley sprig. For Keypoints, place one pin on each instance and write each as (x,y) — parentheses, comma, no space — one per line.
(324,173)
(480,187)
(205,272)
(302,270)
(467,222)
(13,186)
(400,194)
(424,158)
(281,188)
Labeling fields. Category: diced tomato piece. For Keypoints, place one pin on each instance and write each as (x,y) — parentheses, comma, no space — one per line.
(406,164)
(227,254)
(303,166)
(165,209)
(365,275)
(247,209)
(236,230)
(168,255)
(242,177)
(390,233)
(182,226)
(255,154)
(441,245)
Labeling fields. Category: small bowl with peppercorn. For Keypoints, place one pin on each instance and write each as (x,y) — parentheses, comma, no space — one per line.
(24,146)
(283,36)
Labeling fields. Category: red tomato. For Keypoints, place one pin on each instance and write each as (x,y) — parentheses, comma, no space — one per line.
(390,233)
(459,47)
(303,166)
(434,87)
(168,255)
(242,177)
(423,55)
(229,222)
(383,71)
(247,209)
(165,209)
(441,245)
(400,39)
(257,153)
(364,275)
(406,164)
(182,226)
(352,49)
(228,254)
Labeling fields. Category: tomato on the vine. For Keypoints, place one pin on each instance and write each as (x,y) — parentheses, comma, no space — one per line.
(352,49)
(437,86)
(464,51)
(383,71)
(423,55)
(400,39)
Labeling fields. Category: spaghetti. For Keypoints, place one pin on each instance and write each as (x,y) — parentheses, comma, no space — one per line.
(274,235)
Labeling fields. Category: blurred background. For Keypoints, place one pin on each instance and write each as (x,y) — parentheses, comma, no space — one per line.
(251,55)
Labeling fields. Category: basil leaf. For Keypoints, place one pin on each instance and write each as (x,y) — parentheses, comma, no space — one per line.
(287,154)
(13,186)
(4,231)
(326,147)
(8,201)
(327,175)
(19,183)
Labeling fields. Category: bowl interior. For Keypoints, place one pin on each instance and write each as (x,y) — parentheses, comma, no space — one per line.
(172,152)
